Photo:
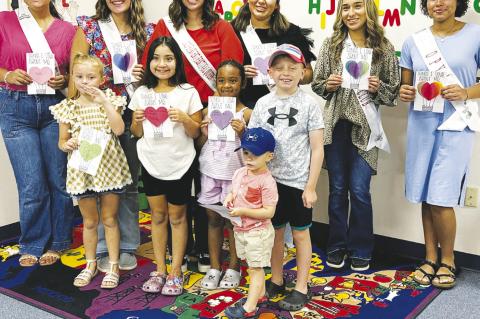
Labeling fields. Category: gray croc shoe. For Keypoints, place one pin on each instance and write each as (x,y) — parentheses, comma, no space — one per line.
(211,279)
(231,279)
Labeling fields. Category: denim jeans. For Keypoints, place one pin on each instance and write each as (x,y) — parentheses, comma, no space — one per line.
(349,176)
(128,210)
(30,134)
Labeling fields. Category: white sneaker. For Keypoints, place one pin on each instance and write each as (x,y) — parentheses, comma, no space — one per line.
(211,279)
(231,279)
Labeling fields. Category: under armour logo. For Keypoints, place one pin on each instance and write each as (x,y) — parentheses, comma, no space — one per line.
(282,116)
(251,137)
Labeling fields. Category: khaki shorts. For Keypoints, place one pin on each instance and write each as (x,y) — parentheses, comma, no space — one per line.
(255,246)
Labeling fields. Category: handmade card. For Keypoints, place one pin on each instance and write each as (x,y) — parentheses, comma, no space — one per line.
(356,67)
(157,124)
(428,97)
(90,152)
(40,67)
(221,111)
(124,58)
(261,55)
(224,212)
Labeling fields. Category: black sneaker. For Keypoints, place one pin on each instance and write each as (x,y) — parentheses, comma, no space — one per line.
(358,264)
(295,300)
(336,259)
(272,289)
(203,262)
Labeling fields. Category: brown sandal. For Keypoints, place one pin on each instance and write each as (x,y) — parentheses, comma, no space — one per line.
(49,258)
(438,283)
(428,276)
(27,260)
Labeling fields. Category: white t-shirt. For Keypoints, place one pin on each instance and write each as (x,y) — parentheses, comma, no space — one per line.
(167,158)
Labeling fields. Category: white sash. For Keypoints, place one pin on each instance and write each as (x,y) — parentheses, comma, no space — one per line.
(32,31)
(192,52)
(111,35)
(377,138)
(466,112)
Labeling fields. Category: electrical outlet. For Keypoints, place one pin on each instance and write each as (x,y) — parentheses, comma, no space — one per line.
(471,197)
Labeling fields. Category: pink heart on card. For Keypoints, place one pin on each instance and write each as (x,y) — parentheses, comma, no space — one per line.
(262,65)
(156,116)
(221,119)
(40,75)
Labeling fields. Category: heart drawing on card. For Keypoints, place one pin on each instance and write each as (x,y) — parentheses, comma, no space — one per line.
(429,90)
(123,61)
(89,151)
(221,119)
(357,69)
(156,116)
(40,75)
(261,64)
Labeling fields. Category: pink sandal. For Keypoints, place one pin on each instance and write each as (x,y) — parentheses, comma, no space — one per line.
(155,283)
(173,286)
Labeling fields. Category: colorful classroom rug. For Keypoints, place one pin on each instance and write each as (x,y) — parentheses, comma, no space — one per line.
(381,293)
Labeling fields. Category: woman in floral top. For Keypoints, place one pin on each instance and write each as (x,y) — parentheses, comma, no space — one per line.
(128,17)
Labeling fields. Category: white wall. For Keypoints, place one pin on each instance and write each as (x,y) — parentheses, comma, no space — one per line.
(393,215)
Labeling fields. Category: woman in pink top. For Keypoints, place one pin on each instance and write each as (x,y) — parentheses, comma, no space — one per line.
(30,134)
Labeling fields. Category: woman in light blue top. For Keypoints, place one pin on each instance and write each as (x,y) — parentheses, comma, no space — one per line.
(437,160)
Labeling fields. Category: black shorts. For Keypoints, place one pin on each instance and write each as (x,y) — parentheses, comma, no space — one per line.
(290,209)
(178,191)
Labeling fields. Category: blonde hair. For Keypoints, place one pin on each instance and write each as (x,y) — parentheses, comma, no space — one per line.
(136,19)
(82,58)
(375,36)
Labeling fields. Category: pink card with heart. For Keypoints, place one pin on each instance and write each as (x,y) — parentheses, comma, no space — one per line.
(40,67)
(221,111)
(157,124)
(124,59)
(260,56)
(429,85)
(356,67)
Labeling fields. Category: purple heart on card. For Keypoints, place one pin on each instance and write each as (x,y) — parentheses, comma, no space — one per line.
(123,61)
(221,119)
(357,69)
(261,64)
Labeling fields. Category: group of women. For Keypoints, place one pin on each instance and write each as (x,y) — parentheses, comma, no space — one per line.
(436,159)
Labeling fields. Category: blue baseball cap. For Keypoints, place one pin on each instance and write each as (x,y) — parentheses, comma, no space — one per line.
(258,141)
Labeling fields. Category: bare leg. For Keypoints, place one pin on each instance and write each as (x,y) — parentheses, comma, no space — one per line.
(277,257)
(177,215)
(445,225)
(215,239)
(88,208)
(256,290)
(159,210)
(109,206)
(303,244)
(431,243)
(233,262)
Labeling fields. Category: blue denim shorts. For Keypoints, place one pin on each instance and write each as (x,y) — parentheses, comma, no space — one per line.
(90,193)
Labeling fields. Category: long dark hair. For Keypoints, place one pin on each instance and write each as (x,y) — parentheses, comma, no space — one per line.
(179,78)
(178,14)
(279,24)
(136,19)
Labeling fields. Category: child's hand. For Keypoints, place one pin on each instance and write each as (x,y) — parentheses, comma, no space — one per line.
(139,115)
(333,82)
(373,84)
(70,145)
(238,126)
(250,71)
(309,197)
(204,125)
(177,115)
(407,93)
(236,212)
(138,72)
(57,82)
(97,95)
(228,203)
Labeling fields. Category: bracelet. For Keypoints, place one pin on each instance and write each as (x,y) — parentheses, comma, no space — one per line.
(5,76)
(466,91)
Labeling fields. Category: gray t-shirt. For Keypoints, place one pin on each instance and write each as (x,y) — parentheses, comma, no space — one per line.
(290,119)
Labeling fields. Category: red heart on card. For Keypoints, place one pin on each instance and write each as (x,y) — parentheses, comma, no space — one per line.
(429,90)
(156,116)
(40,75)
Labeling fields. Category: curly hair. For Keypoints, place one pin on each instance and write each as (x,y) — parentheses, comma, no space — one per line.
(235,64)
(178,14)
(278,22)
(375,35)
(136,19)
(462,7)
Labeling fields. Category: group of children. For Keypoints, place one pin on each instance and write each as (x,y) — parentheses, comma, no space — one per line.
(284,131)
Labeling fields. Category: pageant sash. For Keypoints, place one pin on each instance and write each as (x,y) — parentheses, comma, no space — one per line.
(192,52)
(115,45)
(32,31)
(377,138)
(466,112)
(255,46)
